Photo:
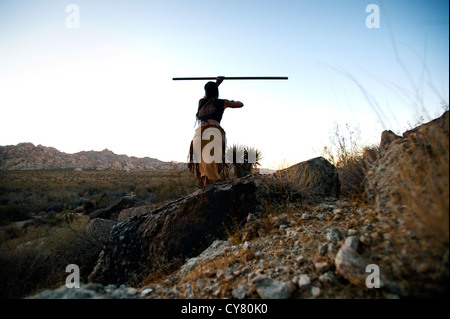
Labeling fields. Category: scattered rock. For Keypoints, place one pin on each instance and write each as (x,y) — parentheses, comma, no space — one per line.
(146,292)
(304,281)
(86,291)
(316,292)
(306,216)
(322,266)
(351,265)
(300,260)
(352,242)
(352,232)
(268,288)
(328,277)
(239,293)
(334,235)
(323,249)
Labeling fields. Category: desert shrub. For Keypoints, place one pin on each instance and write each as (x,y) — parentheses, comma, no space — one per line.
(38,258)
(350,158)
(243,159)
(35,257)
(12,213)
(168,190)
(89,207)
(9,232)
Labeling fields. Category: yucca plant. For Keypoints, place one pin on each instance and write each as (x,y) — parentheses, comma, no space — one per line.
(244,159)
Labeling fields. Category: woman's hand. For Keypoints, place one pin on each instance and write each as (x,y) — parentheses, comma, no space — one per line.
(219,80)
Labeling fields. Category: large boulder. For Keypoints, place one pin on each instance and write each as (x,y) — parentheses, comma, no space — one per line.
(313,179)
(162,239)
(99,229)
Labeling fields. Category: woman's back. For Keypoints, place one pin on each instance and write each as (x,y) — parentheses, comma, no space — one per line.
(210,109)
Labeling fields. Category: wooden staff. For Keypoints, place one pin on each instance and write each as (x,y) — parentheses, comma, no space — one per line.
(234,78)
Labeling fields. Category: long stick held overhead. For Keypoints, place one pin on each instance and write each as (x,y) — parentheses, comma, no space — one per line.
(235,78)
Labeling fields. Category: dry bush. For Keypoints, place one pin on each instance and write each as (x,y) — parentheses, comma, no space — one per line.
(351,160)
(38,258)
(240,159)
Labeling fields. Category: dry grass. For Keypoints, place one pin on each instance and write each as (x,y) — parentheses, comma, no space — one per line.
(214,268)
(289,185)
(350,158)
(38,258)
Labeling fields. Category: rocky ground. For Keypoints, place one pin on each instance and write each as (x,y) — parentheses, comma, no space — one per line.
(299,237)
(297,251)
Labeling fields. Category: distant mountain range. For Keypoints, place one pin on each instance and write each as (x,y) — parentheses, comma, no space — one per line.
(27,156)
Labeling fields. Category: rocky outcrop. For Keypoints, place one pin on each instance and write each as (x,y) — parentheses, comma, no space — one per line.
(127,213)
(409,164)
(99,229)
(162,239)
(387,137)
(313,179)
(410,180)
(27,156)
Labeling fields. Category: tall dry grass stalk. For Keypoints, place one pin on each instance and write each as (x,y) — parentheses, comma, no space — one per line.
(350,158)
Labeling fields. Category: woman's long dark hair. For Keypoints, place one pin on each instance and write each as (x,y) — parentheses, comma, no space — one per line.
(211,92)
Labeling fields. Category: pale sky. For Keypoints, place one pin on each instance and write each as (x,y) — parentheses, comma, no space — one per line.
(107,81)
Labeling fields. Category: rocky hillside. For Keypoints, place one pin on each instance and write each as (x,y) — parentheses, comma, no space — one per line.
(290,234)
(27,156)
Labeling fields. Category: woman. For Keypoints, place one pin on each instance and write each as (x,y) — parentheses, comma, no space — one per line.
(209,114)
